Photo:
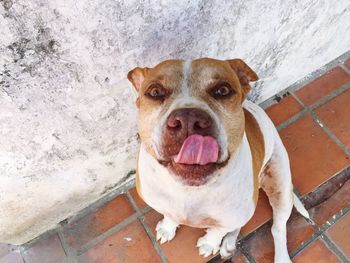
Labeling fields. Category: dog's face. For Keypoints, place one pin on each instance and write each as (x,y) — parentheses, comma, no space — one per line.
(190,115)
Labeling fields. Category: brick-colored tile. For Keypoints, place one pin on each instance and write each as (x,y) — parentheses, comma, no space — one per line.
(314,157)
(318,252)
(261,247)
(12,257)
(323,86)
(340,234)
(331,206)
(182,249)
(262,214)
(335,114)
(131,244)
(138,200)
(48,250)
(112,213)
(284,110)
(347,63)
(5,249)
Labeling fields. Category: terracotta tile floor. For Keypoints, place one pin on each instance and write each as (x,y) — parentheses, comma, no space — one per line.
(314,123)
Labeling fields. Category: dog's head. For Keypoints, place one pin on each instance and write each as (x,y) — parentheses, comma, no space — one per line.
(190,115)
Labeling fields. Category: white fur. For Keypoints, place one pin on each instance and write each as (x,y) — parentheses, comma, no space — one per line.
(186,71)
(210,242)
(166,229)
(300,207)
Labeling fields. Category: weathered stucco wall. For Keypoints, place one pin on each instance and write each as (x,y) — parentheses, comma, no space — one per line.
(67,116)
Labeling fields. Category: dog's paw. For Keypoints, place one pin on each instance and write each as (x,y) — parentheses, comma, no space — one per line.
(227,248)
(165,231)
(207,246)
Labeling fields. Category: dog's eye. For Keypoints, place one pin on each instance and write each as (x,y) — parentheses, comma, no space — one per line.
(221,91)
(156,92)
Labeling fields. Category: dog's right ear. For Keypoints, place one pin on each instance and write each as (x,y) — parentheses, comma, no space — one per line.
(137,77)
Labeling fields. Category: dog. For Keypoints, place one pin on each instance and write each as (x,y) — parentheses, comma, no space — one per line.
(206,150)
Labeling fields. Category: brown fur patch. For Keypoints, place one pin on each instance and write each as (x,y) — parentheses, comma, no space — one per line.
(138,185)
(169,74)
(137,179)
(205,222)
(257,147)
(271,186)
(210,222)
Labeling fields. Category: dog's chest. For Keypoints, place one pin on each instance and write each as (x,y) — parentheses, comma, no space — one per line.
(226,201)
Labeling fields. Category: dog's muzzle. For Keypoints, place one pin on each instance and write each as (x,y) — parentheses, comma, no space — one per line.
(181,124)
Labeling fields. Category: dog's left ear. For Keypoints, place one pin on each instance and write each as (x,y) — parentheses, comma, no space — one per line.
(245,74)
(137,77)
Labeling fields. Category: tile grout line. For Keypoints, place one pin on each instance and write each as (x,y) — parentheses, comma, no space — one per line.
(66,248)
(346,69)
(149,233)
(308,109)
(338,91)
(330,134)
(21,251)
(107,234)
(154,241)
(318,121)
(292,120)
(77,252)
(335,218)
(334,247)
(246,254)
(132,202)
(320,230)
(317,233)
(304,244)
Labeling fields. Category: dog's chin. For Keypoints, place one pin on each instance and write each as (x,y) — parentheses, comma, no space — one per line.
(193,174)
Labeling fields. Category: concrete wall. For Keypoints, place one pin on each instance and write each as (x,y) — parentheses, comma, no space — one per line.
(67,118)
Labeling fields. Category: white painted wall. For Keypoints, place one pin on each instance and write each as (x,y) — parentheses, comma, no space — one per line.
(67,118)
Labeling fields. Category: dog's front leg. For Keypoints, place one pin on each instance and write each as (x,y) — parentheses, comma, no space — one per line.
(166,229)
(210,242)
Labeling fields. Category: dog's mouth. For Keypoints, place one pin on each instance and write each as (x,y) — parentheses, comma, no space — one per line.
(196,160)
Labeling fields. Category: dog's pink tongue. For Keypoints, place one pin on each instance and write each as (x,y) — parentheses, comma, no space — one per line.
(198,149)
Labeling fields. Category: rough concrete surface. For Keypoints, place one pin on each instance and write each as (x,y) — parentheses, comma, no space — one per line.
(67,117)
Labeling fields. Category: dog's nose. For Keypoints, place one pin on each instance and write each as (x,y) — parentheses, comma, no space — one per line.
(190,121)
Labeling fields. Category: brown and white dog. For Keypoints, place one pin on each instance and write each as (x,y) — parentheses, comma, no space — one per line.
(206,151)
